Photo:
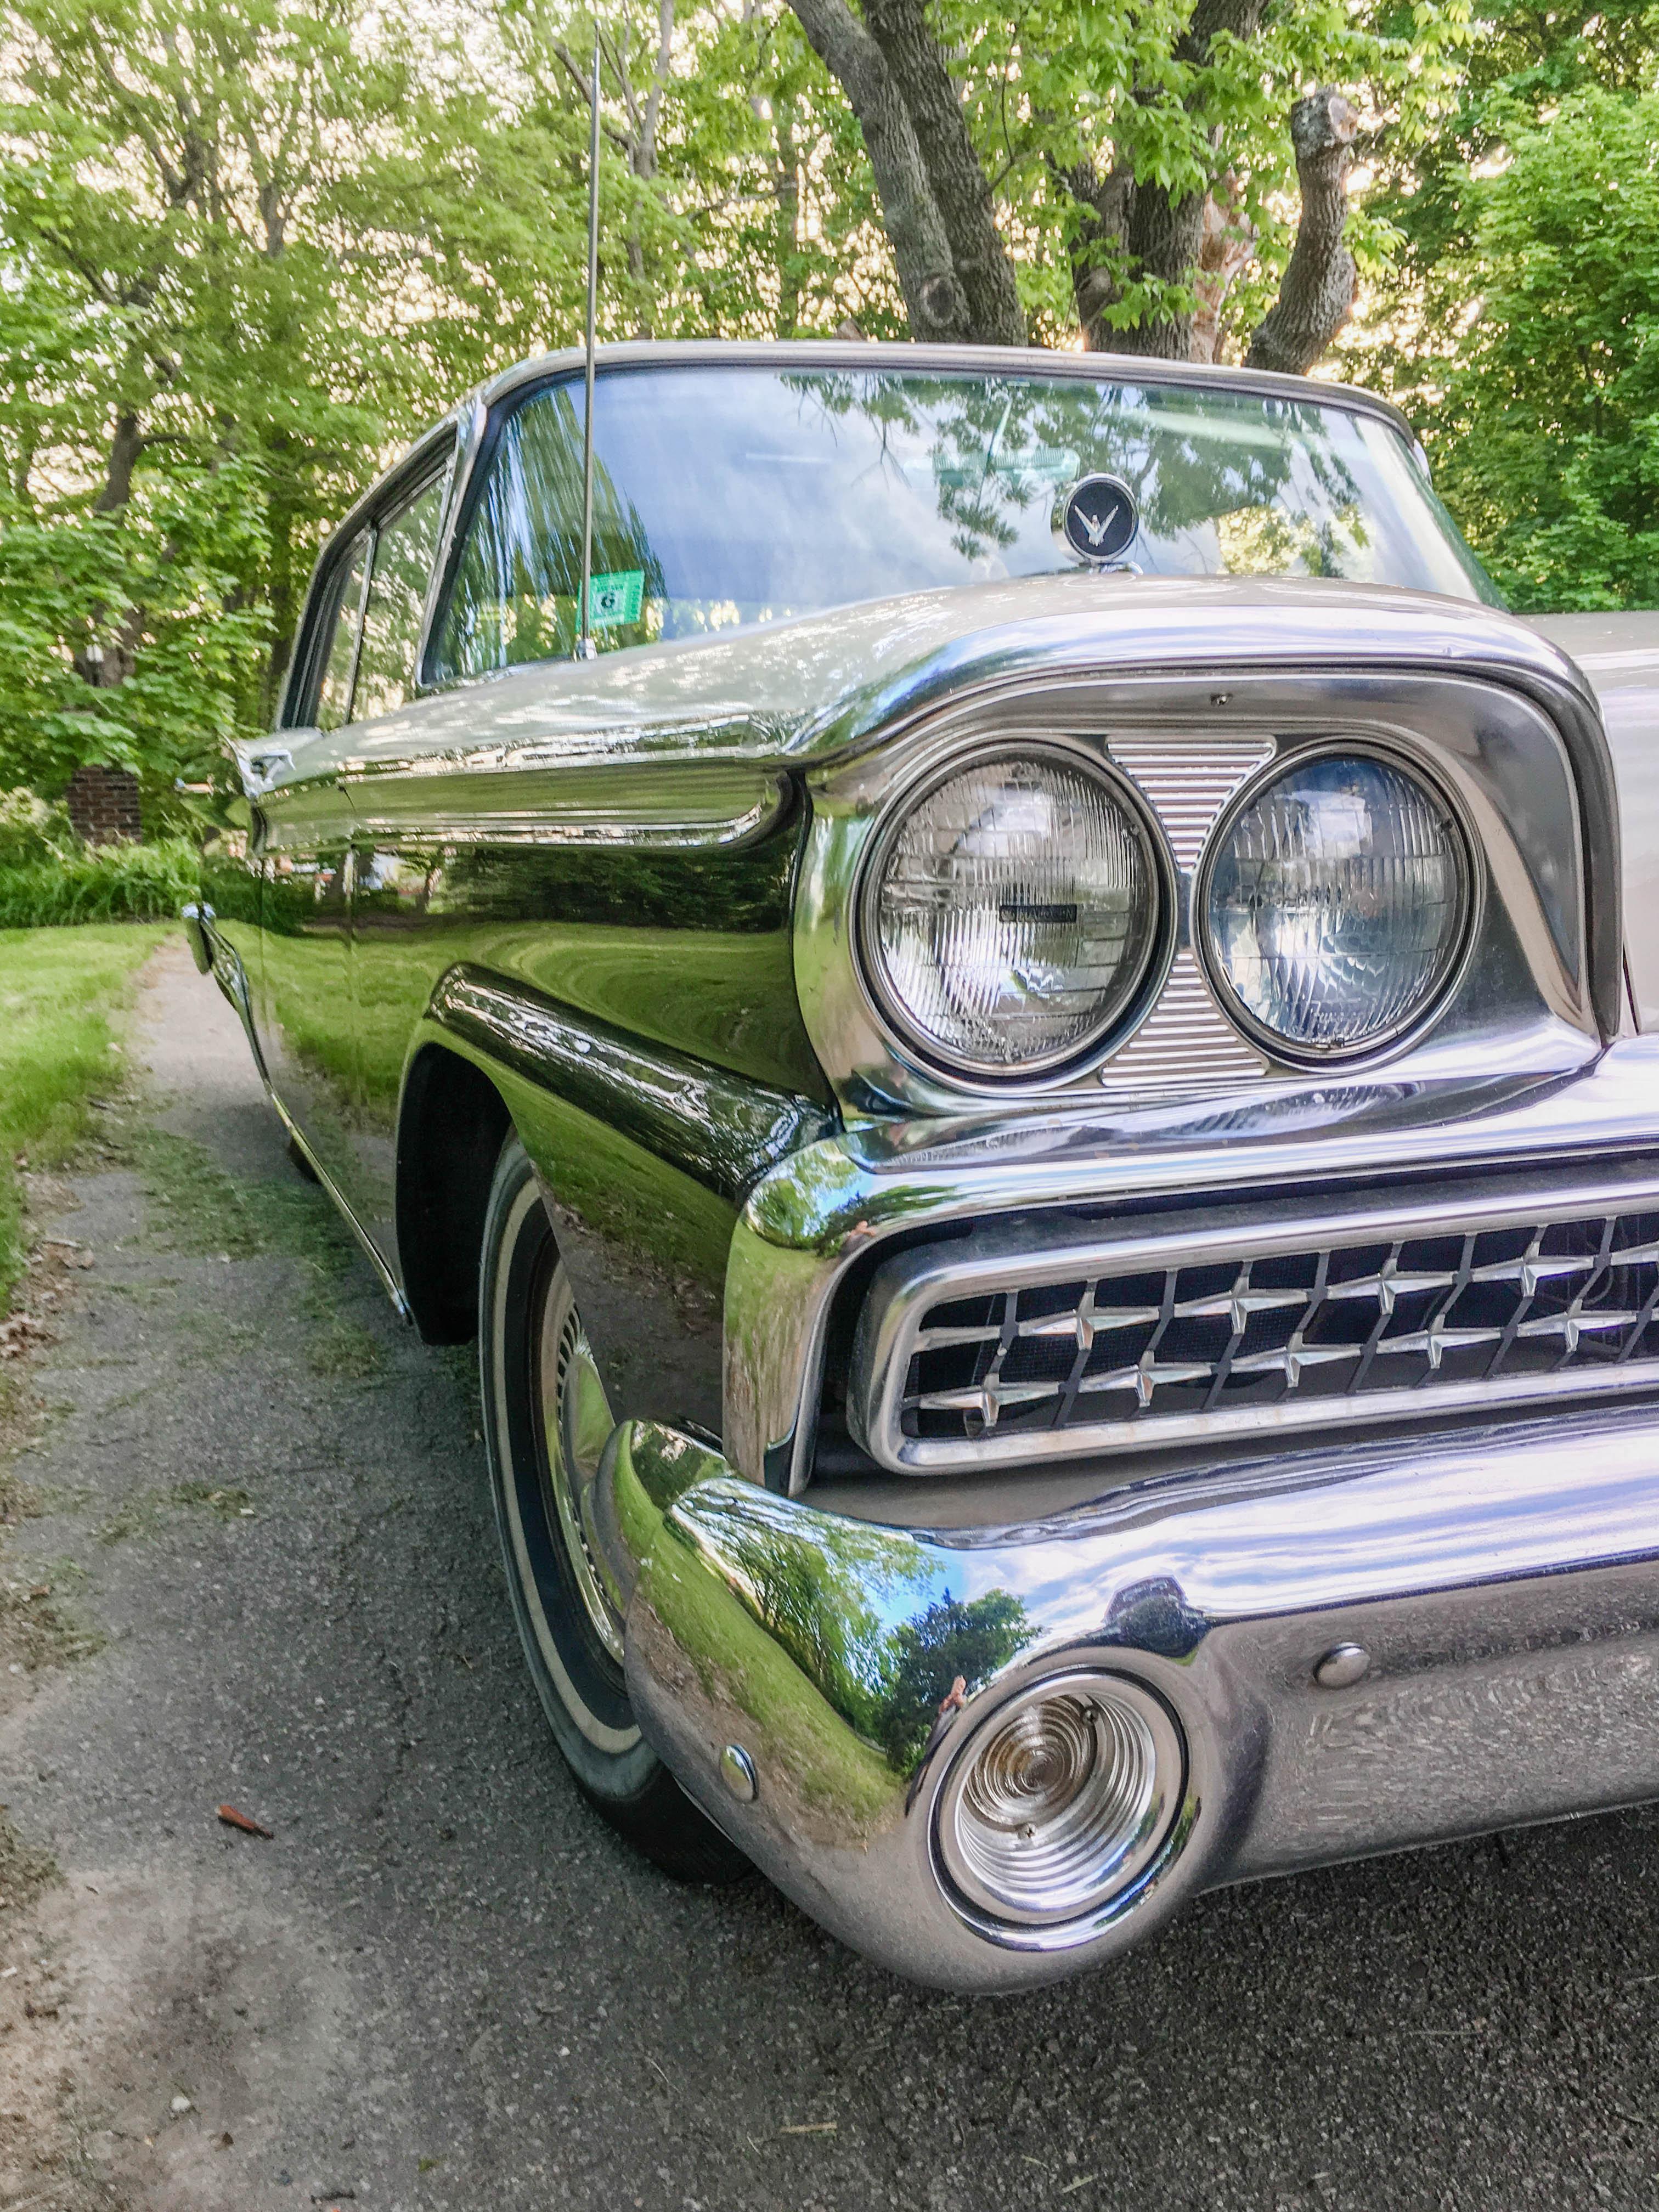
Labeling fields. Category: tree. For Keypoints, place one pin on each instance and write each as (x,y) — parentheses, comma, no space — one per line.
(944,1655)
(1515,323)
(1143,148)
(1547,434)
(256,249)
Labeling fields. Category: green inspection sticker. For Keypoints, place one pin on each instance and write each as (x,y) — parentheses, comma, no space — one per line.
(615,598)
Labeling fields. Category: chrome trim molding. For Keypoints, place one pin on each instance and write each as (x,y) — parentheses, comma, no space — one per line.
(376,1260)
(1429,1292)
(1186,1046)
(722,1129)
(869,356)
(479,801)
(1502,1583)
(198,920)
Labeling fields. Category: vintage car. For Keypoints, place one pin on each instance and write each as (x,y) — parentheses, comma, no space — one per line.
(1031,1082)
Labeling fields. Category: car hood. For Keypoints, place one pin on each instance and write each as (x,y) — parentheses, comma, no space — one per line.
(824,685)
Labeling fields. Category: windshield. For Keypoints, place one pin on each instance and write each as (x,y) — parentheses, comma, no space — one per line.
(727,495)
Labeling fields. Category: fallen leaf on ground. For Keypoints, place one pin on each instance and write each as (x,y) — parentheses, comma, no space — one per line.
(233,1819)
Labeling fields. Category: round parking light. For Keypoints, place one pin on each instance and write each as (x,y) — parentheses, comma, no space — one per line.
(1062,1800)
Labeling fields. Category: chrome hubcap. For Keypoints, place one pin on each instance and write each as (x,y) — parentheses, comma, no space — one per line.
(576,1423)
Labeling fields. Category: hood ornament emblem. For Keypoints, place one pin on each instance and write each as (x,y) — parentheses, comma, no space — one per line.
(1098,519)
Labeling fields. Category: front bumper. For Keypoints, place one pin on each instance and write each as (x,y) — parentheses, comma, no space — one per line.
(1503,1583)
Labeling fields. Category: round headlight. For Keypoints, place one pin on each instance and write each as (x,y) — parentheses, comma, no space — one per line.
(1063,1799)
(1335,904)
(1011,913)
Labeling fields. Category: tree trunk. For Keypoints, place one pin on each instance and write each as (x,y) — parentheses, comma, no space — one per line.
(955,173)
(125,447)
(1224,252)
(1317,297)
(787,186)
(1099,248)
(933,295)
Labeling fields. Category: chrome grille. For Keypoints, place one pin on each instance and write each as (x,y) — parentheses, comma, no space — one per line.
(1186,1043)
(1160,1339)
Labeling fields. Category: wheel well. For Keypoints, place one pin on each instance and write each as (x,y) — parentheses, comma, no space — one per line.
(451,1129)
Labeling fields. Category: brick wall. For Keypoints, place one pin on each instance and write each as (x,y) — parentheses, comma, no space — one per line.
(103,804)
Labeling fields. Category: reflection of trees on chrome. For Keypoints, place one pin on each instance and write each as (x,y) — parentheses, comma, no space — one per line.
(950,1643)
(999,450)
(835,1600)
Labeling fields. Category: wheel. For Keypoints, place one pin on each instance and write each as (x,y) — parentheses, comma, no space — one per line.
(545,1423)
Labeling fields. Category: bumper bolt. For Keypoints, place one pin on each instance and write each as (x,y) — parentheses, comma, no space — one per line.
(737,1773)
(1343,1665)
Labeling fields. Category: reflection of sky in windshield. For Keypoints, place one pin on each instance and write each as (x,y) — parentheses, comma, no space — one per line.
(738,494)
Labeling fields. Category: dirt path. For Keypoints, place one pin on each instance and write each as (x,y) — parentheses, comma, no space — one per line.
(263,1533)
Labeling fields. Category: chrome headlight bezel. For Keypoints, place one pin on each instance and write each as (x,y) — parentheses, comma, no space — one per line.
(1129,1006)
(1465,848)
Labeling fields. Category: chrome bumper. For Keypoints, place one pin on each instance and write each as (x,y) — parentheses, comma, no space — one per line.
(1502,1584)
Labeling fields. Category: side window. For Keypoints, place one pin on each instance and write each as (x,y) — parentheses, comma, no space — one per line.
(334,697)
(519,574)
(406,547)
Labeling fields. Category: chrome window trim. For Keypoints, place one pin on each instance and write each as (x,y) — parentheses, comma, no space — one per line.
(906,1287)
(1472,890)
(432,460)
(1162,943)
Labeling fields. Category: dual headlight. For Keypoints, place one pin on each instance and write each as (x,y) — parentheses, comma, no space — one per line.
(1018,910)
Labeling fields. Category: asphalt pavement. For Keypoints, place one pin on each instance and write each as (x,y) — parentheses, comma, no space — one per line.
(251,1562)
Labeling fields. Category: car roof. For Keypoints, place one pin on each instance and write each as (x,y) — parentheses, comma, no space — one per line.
(848,354)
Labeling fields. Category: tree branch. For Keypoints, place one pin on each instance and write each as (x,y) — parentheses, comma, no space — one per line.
(1099,248)
(126,446)
(1317,297)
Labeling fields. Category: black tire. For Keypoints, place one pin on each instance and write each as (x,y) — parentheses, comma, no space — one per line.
(545,1420)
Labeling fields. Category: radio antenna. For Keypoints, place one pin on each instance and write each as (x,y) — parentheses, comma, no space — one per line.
(586,648)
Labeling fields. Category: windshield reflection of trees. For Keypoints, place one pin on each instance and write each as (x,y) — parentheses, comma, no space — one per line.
(1001,449)
(519,578)
(863,1612)
(1225,481)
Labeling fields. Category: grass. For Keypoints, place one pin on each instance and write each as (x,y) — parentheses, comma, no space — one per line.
(24,1873)
(122,881)
(61,991)
(145,1510)
(196,1208)
(39,1627)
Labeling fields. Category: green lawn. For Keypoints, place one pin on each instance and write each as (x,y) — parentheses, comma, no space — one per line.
(62,992)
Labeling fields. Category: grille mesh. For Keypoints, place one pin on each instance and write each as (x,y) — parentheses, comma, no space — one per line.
(1345,1321)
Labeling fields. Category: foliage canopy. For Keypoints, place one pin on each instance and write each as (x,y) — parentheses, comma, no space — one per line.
(249,247)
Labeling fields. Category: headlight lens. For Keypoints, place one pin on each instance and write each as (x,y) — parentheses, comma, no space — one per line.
(1062,1801)
(1336,904)
(1012,913)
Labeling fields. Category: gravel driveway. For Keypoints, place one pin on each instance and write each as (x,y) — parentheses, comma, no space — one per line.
(261,1535)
